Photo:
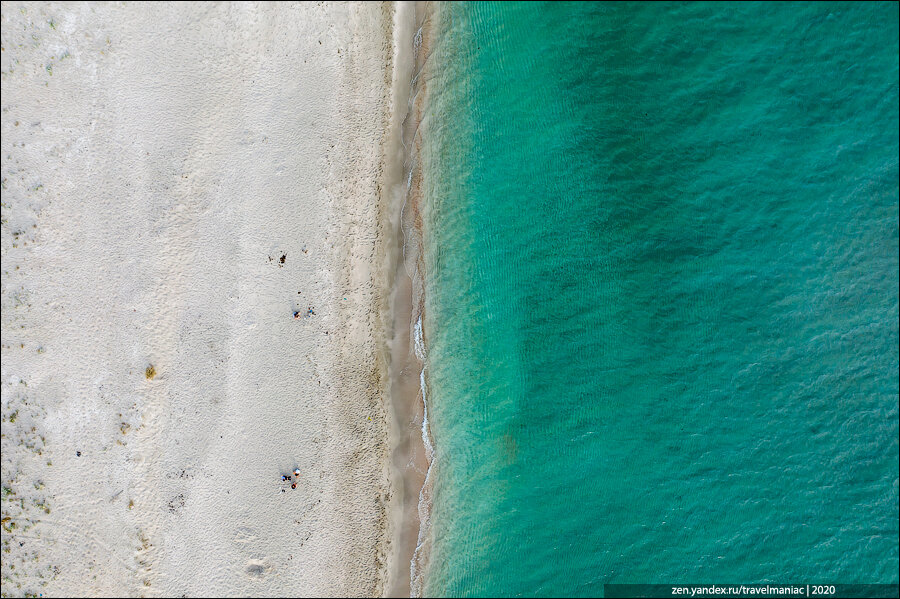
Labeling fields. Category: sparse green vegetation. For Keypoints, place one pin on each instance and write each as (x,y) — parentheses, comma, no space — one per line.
(24,499)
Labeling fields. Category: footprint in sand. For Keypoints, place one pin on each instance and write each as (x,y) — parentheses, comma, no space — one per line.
(257,568)
(244,536)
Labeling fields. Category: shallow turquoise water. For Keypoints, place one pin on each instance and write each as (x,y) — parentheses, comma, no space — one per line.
(662,295)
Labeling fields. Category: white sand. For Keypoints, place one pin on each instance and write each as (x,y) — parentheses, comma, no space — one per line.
(158,161)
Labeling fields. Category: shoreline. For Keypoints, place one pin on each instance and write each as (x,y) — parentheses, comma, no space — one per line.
(424,41)
(410,447)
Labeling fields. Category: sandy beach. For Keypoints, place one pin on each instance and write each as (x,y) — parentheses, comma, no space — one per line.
(196,247)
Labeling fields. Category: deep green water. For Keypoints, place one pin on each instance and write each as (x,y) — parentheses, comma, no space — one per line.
(662,295)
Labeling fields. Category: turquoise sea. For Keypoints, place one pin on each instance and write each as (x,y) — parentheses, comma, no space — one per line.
(661,244)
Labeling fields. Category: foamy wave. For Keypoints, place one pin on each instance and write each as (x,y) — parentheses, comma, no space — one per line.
(420,354)
(424,506)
